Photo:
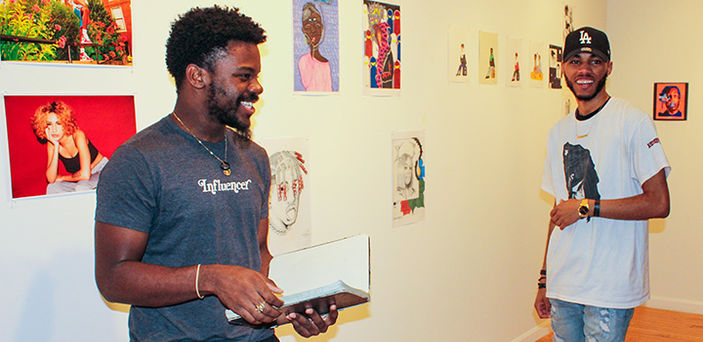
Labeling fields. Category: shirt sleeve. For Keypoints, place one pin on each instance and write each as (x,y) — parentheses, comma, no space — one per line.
(126,193)
(647,154)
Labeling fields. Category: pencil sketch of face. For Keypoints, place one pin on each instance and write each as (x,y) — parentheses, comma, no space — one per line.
(286,186)
(406,153)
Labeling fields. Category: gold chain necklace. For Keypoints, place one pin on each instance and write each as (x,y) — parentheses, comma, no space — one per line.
(224,165)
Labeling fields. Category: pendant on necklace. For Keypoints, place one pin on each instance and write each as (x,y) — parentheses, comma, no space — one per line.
(225,168)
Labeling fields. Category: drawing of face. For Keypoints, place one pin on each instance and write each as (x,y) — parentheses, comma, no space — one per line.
(286,188)
(405,171)
(313,26)
(405,185)
(673,101)
(378,35)
(284,207)
(54,127)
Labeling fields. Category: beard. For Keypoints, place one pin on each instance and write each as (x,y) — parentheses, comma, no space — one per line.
(599,87)
(226,114)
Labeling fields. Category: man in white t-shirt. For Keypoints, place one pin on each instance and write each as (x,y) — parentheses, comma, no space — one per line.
(607,171)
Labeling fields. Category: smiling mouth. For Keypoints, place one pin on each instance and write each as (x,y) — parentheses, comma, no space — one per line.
(584,82)
(247,104)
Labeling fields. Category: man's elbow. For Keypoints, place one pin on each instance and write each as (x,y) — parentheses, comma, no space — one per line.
(104,288)
(664,211)
(108,288)
(661,209)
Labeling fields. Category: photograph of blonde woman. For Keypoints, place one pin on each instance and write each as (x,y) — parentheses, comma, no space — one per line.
(55,127)
(59,144)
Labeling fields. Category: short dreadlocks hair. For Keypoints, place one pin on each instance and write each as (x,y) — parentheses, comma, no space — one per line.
(200,36)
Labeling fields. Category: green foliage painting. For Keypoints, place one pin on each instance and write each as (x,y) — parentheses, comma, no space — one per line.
(61,31)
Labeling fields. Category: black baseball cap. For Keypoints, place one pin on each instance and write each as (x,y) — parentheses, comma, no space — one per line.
(587,39)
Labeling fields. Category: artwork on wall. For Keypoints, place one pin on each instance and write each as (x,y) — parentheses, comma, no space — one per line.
(567,103)
(86,129)
(514,55)
(315,46)
(382,46)
(408,172)
(289,199)
(487,52)
(568,22)
(555,57)
(97,32)
(670,101)
(458,54)
(536,73)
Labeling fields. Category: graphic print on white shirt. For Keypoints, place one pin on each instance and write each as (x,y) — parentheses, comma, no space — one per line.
(580,172)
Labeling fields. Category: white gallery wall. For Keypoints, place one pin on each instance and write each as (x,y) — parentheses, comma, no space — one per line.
(465,273)
(654,51)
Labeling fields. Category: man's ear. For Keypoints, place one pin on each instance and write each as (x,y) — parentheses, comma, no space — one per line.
(196,76)
(610,67)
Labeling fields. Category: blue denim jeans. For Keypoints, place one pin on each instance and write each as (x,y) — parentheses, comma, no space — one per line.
(578,323)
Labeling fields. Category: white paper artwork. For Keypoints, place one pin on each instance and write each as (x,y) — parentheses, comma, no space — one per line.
(289,197)
(408,172)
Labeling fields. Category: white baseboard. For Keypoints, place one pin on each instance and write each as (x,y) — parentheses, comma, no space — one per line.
(675,304)
(535,333)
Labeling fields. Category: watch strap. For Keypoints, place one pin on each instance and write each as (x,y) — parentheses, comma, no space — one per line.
(596,208)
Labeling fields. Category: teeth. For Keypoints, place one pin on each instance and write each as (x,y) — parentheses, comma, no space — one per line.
(249,105)
(584,82)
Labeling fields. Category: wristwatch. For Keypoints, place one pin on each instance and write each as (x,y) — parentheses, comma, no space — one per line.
(583,209)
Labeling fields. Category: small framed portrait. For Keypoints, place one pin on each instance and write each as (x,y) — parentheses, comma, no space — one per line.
(670,101)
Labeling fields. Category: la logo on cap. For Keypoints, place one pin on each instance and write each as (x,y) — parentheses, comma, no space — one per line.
(585,38)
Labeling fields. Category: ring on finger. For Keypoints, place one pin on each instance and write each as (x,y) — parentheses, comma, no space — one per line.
(261,307)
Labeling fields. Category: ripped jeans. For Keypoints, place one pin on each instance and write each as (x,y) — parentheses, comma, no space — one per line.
(576,323)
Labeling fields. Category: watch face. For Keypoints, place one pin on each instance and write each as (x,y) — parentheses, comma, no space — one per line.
(583,210)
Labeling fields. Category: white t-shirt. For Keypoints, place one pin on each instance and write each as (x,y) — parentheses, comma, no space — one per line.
(603,262)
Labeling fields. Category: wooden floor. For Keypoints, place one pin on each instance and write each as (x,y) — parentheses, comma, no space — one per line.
(655,325)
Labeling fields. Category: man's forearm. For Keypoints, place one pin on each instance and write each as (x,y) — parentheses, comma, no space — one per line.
(652,203)
(138,283)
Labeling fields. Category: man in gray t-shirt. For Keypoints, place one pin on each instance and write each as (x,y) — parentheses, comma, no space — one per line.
(182,207)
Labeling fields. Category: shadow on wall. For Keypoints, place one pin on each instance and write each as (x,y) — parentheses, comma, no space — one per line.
(657,226)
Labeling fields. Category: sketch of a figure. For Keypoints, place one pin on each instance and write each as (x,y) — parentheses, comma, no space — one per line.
(287,169)
(568,21)
(315,72)
(516,71)
(555,66)
(536,73)
(462,71)
(384,26)
(491,73)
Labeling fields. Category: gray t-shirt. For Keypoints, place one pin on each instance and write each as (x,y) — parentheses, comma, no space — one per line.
(162,182)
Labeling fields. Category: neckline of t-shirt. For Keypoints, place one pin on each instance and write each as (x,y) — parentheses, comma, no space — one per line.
(580,117)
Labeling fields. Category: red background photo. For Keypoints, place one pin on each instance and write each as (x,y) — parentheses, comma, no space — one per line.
(106,120)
